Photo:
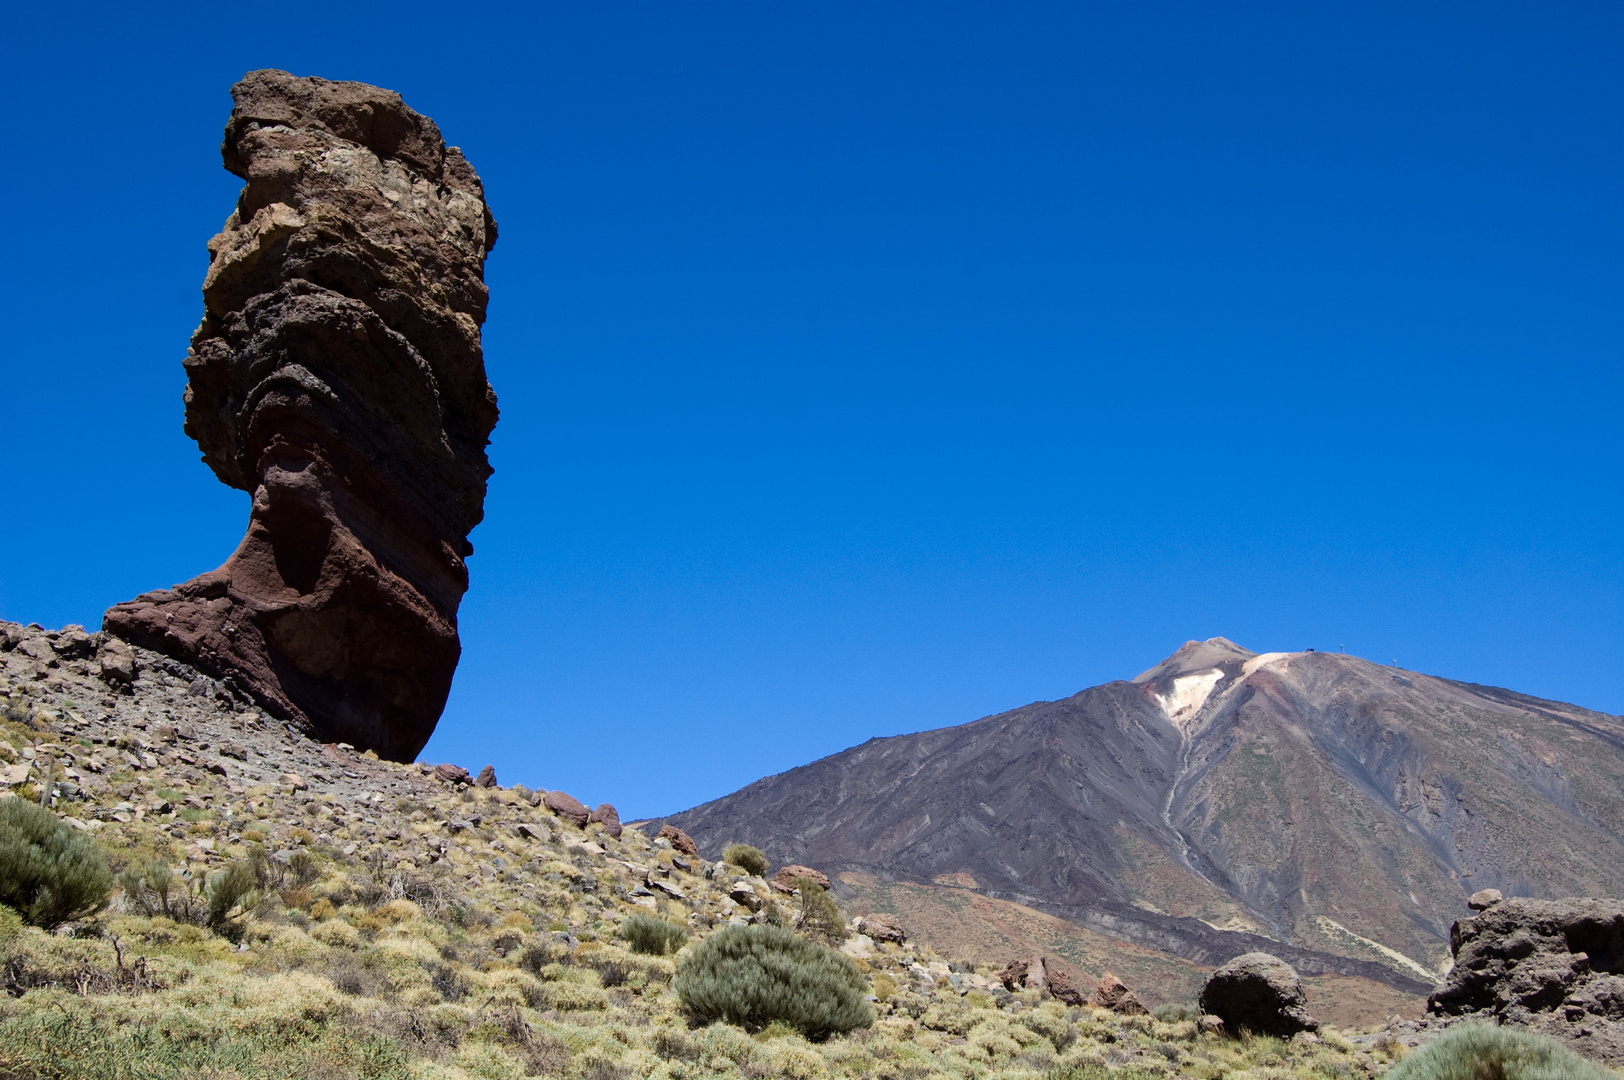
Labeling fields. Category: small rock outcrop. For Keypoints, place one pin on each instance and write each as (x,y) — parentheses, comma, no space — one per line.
(1556,966)
(338,378)
(1113,994)
(1027,974)
(1258,992)
(567,807)
(679,840)
(883,928)
(609,818)
(792,877)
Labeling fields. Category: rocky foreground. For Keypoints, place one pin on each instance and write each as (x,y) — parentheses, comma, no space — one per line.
(423,922)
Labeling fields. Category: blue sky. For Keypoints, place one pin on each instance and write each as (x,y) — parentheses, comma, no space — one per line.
(868,368)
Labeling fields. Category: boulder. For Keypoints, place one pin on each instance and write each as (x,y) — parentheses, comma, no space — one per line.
(745,896)
(116,662)
(1061,987)
(609,817)
(1258,992)
(792,877)
(882,928)
(1014,975)
(486,777)
(1028,974)
(337,377)
(452,774)
(566,807)
(680,841)
(1484,899)
(1556,966)
(1111,993)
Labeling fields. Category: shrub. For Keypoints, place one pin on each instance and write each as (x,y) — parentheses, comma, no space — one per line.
(819,917)
(656,937)
(749,859)
(542,952)
(48,872)
(149,887)
(1478,1051)
(1173,1012)
(753,975)
(231,892)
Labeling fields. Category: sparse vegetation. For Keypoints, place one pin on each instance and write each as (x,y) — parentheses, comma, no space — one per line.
(819,916)
(652,936)
(1175,1012)
(1487,1052)
(49,873)
(752,860)
(753,976)
(363,927)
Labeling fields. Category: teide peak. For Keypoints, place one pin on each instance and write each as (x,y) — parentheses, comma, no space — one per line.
(1339,809)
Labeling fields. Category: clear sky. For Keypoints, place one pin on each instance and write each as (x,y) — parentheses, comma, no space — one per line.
(867,368)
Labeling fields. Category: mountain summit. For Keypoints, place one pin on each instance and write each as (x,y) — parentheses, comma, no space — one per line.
(1333,810)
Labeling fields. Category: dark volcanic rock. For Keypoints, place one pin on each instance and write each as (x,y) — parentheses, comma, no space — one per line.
(337,376)
(1556,966)
(486,777)
(1258,992)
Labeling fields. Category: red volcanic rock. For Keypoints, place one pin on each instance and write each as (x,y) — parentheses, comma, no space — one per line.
(680,841)
(1112,994)
(1027,974)
(883,928)
(791,877)
(337,376)
(452,774)
(486,777)
(610,818)
(566,806)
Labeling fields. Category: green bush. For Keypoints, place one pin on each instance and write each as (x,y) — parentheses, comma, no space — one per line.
(48,872)
(819,917)
(231,891)
(1486,1052)
(749,859)
(754,975)
(152,888)
(656,937)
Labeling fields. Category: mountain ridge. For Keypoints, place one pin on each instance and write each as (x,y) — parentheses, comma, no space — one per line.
(1332,808)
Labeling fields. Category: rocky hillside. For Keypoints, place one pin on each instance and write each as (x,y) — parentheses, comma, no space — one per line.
(412,921)
(1328,809)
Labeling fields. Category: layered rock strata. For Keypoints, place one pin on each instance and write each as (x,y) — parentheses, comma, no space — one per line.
(337,376)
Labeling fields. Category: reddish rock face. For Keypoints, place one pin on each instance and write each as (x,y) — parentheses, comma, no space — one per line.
(567,807)
(610,818)
(680,841)
(337,377)
(790,878)
(1112,994)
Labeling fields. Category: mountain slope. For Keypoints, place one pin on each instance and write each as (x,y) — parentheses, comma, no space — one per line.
(1334,810)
